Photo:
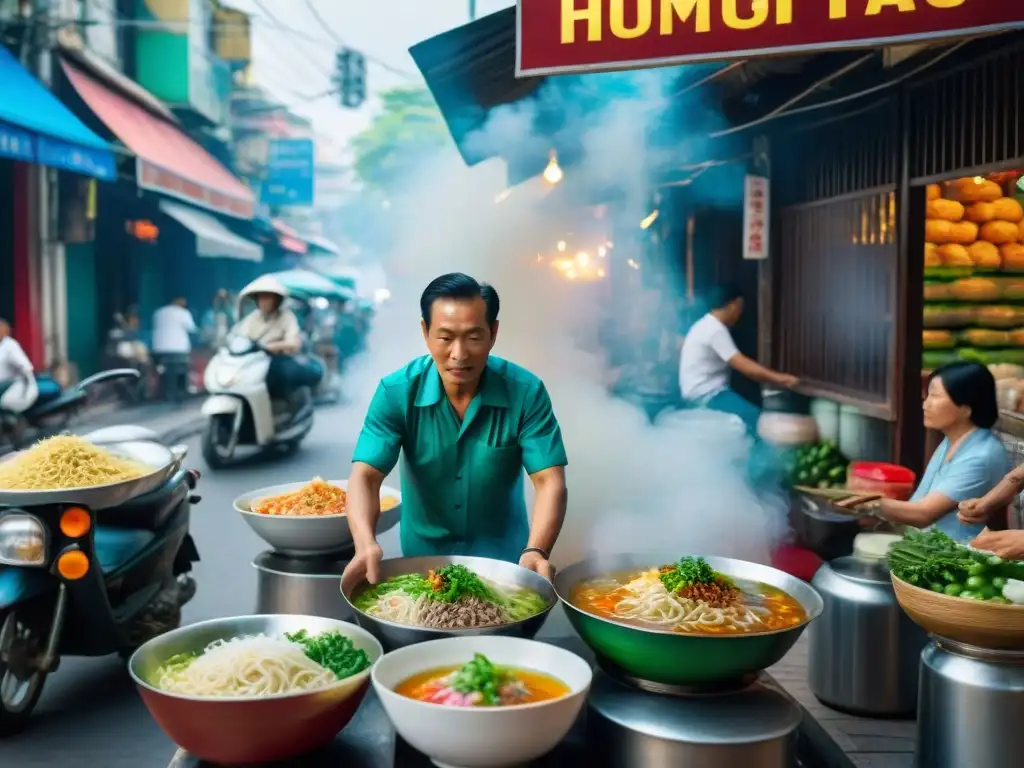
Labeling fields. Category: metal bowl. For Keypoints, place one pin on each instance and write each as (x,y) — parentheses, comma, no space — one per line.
(250,730)
(308,535)
(393,635)
(674,658)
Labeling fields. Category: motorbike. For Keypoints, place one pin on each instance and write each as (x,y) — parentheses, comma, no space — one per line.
(54,407)
(239,410)
(123,349)
(91,579)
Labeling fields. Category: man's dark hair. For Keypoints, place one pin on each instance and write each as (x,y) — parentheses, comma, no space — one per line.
(456,285)
(725,294)
(973,385)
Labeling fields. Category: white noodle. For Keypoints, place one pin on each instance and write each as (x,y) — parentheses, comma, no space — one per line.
(248,666)
(650,602)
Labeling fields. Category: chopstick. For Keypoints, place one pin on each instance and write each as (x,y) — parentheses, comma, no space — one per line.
(856,501)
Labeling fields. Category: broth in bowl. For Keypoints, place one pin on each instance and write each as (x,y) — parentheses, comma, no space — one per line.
(480,683)
(688,597)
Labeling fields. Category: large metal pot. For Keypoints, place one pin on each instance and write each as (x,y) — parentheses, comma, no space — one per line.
(393,635)
(675,658)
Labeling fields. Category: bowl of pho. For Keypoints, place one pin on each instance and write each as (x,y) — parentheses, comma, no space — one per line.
(309,518)
(425,598)
(685,620)
(482,702)
(255,689)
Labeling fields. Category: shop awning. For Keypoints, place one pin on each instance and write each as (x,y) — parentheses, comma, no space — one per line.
(168,160)
(289,238)
(36,128)
(323,244)
(213,239)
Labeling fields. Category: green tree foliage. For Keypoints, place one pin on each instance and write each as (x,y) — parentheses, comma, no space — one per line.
(406,131)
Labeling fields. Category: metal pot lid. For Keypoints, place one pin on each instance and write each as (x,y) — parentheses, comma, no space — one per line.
(856,569)
(320,566)
(756,714)
(874,547)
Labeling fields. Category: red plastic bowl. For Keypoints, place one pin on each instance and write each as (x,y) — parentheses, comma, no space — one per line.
(889,480)
(252,730)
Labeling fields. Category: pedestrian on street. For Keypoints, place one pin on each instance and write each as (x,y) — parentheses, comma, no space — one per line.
(173,326)
(468,424)
(18,388)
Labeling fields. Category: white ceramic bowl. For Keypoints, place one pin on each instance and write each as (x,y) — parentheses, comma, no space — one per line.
(482,737)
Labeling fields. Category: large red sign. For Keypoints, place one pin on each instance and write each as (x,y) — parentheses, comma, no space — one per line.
(157,179)
(562,36)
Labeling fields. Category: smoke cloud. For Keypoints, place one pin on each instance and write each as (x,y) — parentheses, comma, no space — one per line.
(633,487)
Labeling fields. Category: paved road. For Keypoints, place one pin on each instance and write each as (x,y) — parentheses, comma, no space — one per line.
(90,715)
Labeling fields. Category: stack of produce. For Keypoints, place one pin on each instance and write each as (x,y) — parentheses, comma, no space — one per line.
(974,305)
(821,466)
(932,560)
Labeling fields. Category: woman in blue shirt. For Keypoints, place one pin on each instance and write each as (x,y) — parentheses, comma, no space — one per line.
(969,462)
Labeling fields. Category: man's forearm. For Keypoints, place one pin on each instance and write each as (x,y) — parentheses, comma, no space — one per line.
(548,515)
(1002,495)
(363,509)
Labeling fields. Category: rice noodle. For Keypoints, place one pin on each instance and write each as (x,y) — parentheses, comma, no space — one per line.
(648,601)
(247,666)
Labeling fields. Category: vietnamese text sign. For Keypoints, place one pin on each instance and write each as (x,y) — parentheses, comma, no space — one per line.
(755,217)
(289,179)
(561,36)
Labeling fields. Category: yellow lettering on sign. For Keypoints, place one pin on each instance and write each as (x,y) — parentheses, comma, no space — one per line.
(903,6)
(784,12)
(837,9)
(731,16)
(683,10)
(617,20)
(571,15)
(945,3)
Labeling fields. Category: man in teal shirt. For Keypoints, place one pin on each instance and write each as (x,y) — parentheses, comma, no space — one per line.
(466,424)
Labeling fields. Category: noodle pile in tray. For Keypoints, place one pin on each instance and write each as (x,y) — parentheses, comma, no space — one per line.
(67,462)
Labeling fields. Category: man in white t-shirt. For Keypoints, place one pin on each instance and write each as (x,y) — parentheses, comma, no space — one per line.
(18,389)
(709,353)
(173,326)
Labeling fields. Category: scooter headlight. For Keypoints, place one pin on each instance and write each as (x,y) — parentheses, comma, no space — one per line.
(22,539)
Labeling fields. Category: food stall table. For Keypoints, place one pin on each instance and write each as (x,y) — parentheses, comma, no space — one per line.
(369,741)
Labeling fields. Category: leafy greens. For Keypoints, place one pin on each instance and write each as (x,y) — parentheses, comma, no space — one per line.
(482,677)
(687,572)
(333,651)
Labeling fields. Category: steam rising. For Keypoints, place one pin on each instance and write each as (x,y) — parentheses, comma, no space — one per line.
(677,487)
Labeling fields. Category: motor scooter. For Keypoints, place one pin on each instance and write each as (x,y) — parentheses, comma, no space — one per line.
(54,407)
(240,412)
(90,579)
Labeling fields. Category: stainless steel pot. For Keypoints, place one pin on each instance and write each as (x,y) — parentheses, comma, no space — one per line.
(864,649)
(972,707)
(751,728)
(307,587)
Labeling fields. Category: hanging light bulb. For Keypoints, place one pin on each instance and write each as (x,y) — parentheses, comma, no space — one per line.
(553,173)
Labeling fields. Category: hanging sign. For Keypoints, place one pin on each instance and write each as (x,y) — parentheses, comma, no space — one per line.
(565,36)
(755,218)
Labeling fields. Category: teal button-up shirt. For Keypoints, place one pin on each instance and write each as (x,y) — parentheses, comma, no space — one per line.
(462,480)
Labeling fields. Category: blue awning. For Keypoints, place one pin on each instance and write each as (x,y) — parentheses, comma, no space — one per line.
(36,128)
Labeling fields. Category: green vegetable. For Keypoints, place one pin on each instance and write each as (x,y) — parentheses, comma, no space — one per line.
(977,569)
(975,583)
(333,651)
(482,677)
(457,581)
(687,572)
(999,599)
(998,582)
(967,595)
(953,590)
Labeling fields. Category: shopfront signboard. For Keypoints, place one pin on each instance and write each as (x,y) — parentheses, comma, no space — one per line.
(756,216)
(289,176)
(573,36)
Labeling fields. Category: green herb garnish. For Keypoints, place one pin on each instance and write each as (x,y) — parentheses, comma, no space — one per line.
(687,572)
(453,582)
(333,651)
(482,677)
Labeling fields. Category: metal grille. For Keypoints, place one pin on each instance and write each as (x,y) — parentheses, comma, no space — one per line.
(836,298)
(843,154)
(968,118)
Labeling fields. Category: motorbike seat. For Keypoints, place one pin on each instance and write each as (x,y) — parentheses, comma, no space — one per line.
(149,512)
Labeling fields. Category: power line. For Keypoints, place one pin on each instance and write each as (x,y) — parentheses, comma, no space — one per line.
(306,54)
(327,28)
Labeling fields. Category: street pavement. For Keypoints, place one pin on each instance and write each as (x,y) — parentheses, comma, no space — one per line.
(90,714)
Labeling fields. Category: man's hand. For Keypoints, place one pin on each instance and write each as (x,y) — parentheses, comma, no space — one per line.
(974,511)
(539,564)
(1008,545)
(787,381)
(365,565)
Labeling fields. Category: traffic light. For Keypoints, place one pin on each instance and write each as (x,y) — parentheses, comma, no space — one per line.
(351,77)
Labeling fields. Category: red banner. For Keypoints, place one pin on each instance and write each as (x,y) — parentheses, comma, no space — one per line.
(563,36)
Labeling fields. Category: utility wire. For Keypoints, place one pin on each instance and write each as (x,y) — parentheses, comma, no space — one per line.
(305,53)
(327,28)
